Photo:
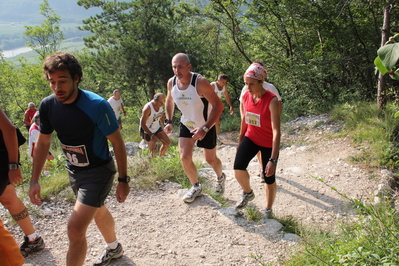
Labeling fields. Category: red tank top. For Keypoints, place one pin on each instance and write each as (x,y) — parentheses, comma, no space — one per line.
(257,117)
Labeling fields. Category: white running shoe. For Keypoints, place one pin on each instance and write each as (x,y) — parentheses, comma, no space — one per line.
(108,255)
(192,194)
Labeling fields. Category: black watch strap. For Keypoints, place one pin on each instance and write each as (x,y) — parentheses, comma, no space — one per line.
(273,160)
(167,121)
(125,179)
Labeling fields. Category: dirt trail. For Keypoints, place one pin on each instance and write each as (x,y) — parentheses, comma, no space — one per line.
(158,228)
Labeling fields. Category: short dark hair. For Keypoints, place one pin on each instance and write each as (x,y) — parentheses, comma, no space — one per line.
(62,61)
(223,76)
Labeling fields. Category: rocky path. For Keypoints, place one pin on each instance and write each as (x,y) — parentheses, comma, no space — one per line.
(157,228)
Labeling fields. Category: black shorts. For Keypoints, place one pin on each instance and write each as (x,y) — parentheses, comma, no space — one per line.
(4,181)
(92,186)
(146,136)
(246,151)
(208,142)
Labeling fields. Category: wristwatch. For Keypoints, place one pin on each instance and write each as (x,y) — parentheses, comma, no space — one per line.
(13,166)
(167,121)
(204,128)
(126,179)
(273,160)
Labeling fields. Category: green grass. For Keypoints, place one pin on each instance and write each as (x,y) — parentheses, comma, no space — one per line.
(147,171)
(230,122)
(52,186)
(375,132)
(253,214)
(370,238)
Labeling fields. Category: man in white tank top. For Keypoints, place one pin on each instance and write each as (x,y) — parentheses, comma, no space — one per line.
(192,94)
(152,118)
(220,87)
(116,103)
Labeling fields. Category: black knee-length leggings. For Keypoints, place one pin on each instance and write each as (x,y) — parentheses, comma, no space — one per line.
(247,151)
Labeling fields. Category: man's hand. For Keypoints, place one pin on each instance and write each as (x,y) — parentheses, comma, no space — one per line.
(34,194)
(168,129)
(122,190)
(199,133)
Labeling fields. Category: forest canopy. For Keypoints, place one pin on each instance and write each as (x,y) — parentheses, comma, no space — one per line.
(317,53)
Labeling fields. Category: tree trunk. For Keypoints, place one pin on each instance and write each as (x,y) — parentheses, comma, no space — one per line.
(384,38)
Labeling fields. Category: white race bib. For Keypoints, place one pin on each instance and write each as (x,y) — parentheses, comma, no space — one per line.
(252,119)
(76,155)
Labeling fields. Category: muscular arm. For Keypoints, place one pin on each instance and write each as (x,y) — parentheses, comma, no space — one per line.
(169,107)
(123,189)
(123,110)
(162,120)
(280,106)
(27,120)
(244,126)
(42,148)
(275,121)
(228,100)
(241,110)
(145,113)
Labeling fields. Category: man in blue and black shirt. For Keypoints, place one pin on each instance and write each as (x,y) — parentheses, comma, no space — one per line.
(84,122)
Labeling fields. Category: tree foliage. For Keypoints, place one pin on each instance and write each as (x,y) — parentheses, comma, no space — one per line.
(46,37)
(318,53)
(19,86)
(133,43)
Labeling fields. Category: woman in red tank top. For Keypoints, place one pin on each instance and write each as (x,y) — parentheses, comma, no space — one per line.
(260,131)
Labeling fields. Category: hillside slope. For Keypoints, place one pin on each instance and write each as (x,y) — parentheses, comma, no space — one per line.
(158,228)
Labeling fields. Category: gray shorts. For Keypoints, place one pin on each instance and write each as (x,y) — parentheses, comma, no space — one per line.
(92,186)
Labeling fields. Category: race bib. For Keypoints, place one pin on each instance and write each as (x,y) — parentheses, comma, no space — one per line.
(252,119)
(76,155)
(189,124)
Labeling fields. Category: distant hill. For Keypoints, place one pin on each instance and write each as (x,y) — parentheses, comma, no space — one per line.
(16,14)
(28,11)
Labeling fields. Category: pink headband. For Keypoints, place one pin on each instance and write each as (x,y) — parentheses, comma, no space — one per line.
(256,71)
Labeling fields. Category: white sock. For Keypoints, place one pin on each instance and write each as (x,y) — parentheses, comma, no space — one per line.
(32,237)
(113,245)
